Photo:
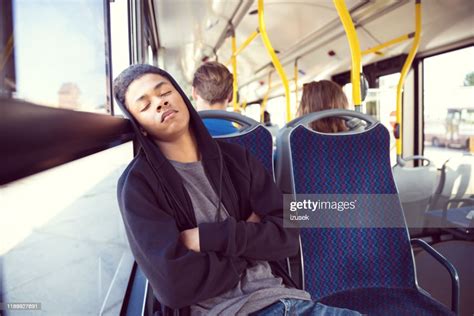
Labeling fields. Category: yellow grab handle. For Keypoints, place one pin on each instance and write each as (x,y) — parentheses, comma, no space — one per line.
(355,51)
(274,58)
(403,74)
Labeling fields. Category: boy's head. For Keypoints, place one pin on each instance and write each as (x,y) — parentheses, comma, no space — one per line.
(153,100)
(212,86)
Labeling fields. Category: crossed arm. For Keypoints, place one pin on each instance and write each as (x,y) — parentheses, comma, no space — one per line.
(190,237)
(262,236)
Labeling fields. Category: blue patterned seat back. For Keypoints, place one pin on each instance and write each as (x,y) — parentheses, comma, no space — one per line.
(339,259)
(258,142)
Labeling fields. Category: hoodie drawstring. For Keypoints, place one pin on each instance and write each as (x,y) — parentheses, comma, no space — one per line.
(221,167)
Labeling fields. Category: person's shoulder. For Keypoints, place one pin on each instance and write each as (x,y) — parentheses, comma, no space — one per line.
(138,171)
(240,160)
(235,157)
(219,127)
(231,149)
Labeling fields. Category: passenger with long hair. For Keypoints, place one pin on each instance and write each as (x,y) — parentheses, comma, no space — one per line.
(323,95)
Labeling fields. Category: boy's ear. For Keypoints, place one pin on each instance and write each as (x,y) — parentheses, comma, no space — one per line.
(230,97)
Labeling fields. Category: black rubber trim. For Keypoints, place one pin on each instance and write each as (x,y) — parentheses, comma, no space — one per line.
(35,138)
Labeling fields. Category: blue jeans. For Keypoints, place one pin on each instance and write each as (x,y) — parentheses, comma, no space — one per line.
(295,307)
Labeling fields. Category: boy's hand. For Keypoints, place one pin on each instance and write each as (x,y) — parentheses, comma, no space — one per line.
(190,238)
(253,218)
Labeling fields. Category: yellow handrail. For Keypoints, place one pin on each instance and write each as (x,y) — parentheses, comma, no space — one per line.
(274,58)
(243,46)
(243,105)
(403,74)
(355,51)
(376,49)
(235,86)
(247,42)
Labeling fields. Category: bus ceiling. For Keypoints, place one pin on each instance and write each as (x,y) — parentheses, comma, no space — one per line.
(200,30)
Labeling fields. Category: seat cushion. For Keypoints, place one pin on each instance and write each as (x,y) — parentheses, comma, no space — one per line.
(387,301)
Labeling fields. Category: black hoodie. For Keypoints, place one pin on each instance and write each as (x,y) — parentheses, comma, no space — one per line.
(156,207)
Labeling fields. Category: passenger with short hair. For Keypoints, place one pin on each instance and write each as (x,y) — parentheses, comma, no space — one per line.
(203,218)
(212,90)
(325,95)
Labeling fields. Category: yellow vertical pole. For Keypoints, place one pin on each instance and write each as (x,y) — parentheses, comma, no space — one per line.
(274,58)
(403,74)
(355,51)
(235,86)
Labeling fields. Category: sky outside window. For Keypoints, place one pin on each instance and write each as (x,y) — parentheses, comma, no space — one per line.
(60,53)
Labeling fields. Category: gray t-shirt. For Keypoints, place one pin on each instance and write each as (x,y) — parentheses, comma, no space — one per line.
(257,287)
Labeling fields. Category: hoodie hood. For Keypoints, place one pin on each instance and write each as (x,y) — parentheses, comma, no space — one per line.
(168,178)
(206,144)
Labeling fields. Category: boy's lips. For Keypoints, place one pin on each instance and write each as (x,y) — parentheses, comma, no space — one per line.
(166,114)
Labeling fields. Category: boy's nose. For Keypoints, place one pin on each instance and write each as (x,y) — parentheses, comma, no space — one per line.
(160,107)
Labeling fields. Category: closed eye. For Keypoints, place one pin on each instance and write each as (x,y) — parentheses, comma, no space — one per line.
(165,94)
(145,107)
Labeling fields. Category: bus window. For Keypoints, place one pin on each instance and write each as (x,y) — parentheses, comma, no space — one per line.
(380,103)
(62,239)
(60,54)
(252,111)
(347,88)
(120,44)
(448,104)
(386,107)
(276,108)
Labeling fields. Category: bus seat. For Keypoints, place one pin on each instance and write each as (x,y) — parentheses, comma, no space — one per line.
(252,135)
(282,158)
(283,172)
(456,182)
(415,188)
(368,269)
(454,198)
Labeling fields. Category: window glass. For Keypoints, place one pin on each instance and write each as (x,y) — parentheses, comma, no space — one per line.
(277,109)
(60,54)
(62,239)
(252,111)
(380,103)
(448,104)
(120,43)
